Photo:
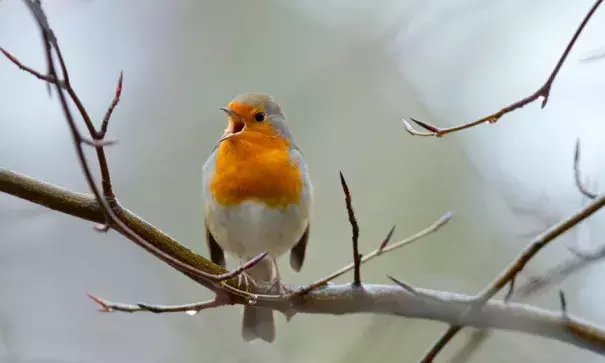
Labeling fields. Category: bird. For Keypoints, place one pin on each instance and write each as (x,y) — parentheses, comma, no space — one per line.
(258,198)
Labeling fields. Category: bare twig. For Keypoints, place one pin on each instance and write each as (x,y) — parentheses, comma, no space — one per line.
(563,302)
(50,44)
(511,289)
(27,69)
(561,271)
(355,232)
(516,266)
(377,252)
(107,306)
(65,83)
(578,176)
(543,92)
(112,106)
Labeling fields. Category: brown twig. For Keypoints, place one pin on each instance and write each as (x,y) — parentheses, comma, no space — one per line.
(355,232)
(561,271)
(27,69)
(377,252)
(578,176)
(516,266)
(543,91)
(107,306)
(112,106)
(65,83)
(511,289)
(50,44)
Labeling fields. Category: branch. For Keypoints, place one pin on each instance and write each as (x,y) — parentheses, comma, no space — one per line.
(333,299)
(86,206)
(189,309)
(578,176)
(355,234)
(320,298)
(431,305)
(108,203)
(379,251)
(543,91)
(558,273)
(514,268)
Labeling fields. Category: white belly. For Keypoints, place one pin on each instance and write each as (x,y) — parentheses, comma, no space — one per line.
(252,228)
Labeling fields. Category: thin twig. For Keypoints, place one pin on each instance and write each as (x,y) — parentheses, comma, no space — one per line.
(578,176)
(27,69)
(107,306)
(112,106)
(51,43)
(543,92)
(563,302)
(511,289)
(439,345)
(355,232)
(377,252)
(561,271)
(517,265)
(65,83)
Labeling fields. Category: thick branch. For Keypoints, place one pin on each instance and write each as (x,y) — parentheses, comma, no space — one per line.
(85,206)
(332,299)
(432,305)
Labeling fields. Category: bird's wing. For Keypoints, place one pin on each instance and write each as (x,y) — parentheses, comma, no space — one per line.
(297,254)
(217,255)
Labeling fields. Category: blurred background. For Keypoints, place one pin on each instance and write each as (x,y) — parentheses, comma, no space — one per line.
(345,72)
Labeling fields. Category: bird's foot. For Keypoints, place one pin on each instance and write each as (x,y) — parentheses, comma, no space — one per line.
(244,281)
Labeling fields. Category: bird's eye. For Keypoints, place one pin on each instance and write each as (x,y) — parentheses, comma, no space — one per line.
(259,116)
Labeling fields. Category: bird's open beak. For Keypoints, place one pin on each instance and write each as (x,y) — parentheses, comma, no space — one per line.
(235,126)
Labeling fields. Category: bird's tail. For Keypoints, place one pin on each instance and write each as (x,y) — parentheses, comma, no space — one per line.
(259,322)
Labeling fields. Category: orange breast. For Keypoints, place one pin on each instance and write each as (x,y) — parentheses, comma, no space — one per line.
(257,167)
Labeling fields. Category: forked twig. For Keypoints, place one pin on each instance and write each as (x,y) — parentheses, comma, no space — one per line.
(543,91)
(377,252)
(516,266)
(50,45)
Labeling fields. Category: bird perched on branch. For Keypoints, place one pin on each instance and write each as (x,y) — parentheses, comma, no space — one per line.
(258,197)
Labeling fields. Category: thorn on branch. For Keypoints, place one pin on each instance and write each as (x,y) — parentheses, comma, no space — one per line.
(563,302)
(355,234)
(543,91)
(386,240)
(578,176)
(404,285)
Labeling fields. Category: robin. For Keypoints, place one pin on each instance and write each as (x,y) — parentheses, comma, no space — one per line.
(258,197)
